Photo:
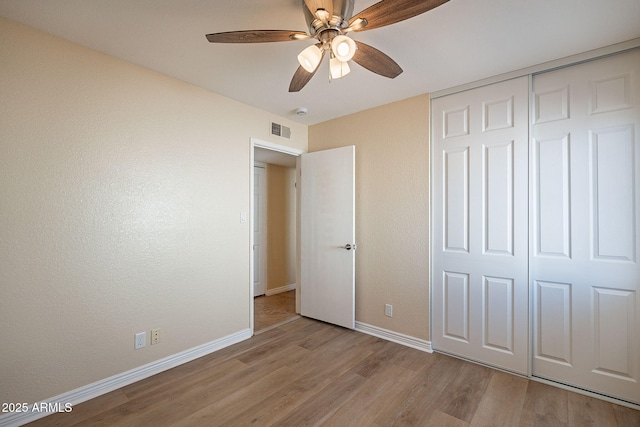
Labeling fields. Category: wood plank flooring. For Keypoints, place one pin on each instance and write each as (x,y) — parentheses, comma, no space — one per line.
(273,310)
(307,373)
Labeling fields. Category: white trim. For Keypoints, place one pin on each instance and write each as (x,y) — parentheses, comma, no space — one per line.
(530,235)
(264,237)
(395,337)
(544,67)
(281,289)
(432,207)
(252,161)
(276,147)
(115,382)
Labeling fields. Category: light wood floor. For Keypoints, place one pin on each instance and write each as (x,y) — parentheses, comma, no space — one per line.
(309,373)
(273,310)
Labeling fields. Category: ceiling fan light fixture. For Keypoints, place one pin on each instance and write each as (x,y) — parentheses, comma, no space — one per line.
(328,22)
(343,48)
(310,58)
(323,15)
(338,68)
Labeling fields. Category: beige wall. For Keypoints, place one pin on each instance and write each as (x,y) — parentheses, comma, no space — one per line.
(392,210)
(120,199)
(281,211)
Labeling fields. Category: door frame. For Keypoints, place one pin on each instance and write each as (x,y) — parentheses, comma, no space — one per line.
(258,143)
(263,242)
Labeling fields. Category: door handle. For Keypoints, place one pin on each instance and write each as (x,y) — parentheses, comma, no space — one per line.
(349,246)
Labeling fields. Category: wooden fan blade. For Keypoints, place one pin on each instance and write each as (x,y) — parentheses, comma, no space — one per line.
(302,77)
(387,12)
(374,60)
(314,5)
(257,36)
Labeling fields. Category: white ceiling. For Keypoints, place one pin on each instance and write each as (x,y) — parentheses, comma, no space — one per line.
(458,42)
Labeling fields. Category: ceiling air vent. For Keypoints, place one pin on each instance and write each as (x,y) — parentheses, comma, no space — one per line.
(280,130)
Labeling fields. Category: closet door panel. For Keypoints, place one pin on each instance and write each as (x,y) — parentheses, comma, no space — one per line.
(480,249)
(585,196)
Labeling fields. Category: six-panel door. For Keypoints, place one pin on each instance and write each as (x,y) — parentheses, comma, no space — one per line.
(586,198)
(480,253)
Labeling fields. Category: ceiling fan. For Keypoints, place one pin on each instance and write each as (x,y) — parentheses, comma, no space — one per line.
(329,22)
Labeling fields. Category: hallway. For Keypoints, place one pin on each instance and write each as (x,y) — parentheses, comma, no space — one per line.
(274,310)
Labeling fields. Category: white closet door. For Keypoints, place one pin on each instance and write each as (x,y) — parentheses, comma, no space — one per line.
(480,224)
(586,199)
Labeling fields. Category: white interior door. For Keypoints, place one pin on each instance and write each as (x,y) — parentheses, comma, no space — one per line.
(327,236)
(259,230)
(585,248)
(480,224)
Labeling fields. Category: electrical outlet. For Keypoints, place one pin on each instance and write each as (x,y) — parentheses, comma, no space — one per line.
(388,310)
(155,336)
(140,340)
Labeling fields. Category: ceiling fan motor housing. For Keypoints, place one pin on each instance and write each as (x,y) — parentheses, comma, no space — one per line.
(342,13)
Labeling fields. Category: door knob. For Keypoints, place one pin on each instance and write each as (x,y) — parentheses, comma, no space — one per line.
(349,246)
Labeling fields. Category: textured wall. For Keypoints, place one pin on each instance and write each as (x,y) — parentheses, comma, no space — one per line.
(281,204)
(120,199)
(392,210)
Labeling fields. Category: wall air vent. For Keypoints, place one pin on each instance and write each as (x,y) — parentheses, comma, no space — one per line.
(280,130)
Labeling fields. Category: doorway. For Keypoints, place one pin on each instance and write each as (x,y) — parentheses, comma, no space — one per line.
(273,237)
(274,310)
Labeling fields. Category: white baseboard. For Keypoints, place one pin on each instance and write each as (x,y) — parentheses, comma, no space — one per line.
(396,337)
(281,289)
(115,382)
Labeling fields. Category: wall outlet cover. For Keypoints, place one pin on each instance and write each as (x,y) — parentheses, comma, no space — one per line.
(140,340)
(388,310)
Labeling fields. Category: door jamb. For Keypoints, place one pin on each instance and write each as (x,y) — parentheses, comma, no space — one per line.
(255,142)
(263,243)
